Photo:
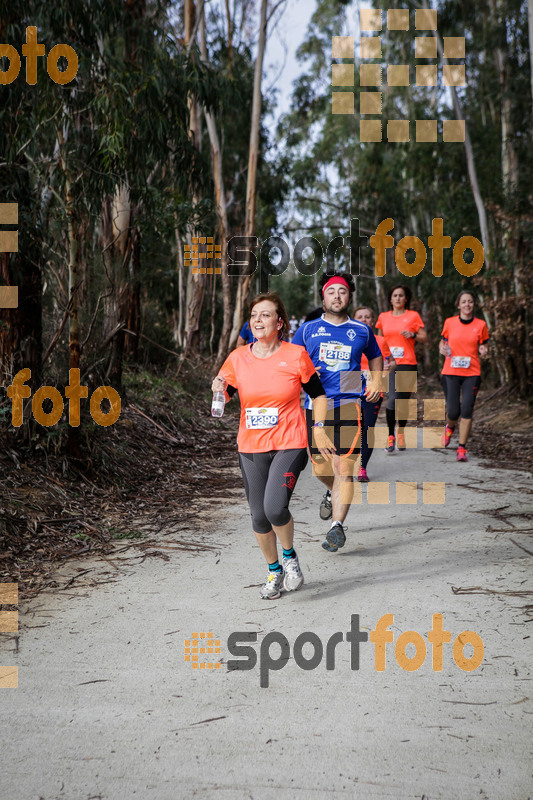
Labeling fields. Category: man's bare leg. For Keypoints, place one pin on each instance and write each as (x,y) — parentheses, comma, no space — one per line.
(342,490)
(341,499)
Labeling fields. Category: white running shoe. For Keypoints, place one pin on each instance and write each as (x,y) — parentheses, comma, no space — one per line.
(271,589)
(293,577)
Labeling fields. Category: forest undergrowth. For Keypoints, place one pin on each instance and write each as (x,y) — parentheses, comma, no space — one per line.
(164,461)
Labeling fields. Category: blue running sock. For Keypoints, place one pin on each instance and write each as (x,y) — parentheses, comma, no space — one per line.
(289,553)
(275,567)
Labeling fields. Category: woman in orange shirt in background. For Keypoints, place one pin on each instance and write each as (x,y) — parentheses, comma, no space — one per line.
(463,342)
(272,441)
(401,329)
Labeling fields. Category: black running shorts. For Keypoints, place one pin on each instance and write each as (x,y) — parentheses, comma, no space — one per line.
(343,426)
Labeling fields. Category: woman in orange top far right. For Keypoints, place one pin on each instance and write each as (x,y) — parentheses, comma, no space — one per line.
(463,341)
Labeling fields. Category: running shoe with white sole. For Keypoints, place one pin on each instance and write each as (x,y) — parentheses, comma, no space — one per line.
(272,587)
(325,506)
(390,444)
(293,577)
(401,441)
(335,538)
(446,436)
(462,453)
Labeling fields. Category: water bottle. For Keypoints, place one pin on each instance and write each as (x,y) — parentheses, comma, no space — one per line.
(387,359)
(217,406)
(448,349)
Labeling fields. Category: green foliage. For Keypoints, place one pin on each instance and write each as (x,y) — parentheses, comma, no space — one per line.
(336,177)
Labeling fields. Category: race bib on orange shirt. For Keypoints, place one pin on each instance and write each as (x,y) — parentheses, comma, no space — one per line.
(460,362)
(397,352)
(261,418)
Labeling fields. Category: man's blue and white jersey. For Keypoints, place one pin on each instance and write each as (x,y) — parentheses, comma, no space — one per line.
(246,333)
(337,350)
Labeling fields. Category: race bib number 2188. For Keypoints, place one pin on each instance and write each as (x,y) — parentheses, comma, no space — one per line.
(335,355)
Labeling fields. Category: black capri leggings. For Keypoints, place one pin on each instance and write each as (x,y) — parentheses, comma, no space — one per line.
(269,480)
(460,394)
(390,408)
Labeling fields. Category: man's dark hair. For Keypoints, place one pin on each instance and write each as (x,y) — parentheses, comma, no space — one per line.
(346,275)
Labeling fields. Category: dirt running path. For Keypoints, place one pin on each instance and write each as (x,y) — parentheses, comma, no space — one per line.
(108,708)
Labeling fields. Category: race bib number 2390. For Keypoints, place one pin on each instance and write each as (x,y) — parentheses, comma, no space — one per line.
(261,418)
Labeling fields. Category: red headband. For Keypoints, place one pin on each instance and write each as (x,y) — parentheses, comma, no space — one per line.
(335,279)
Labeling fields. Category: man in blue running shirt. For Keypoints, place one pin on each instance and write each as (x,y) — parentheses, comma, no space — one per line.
(245,336)
(335,343)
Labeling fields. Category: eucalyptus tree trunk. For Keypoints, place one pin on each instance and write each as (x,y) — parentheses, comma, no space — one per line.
(196,284)
(73,281)
(223,226)
(530,25)
(177,333)
(74,251)
(116,241)
(470,162)
(245,281)
(122,305)
(509,159)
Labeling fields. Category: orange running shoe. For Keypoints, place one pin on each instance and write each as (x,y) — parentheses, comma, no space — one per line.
(462,453)
(390,444)
(401,441)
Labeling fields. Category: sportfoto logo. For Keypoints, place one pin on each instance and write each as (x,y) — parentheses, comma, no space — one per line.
(275,649)
(246,253)
(74,391)
(32,50)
